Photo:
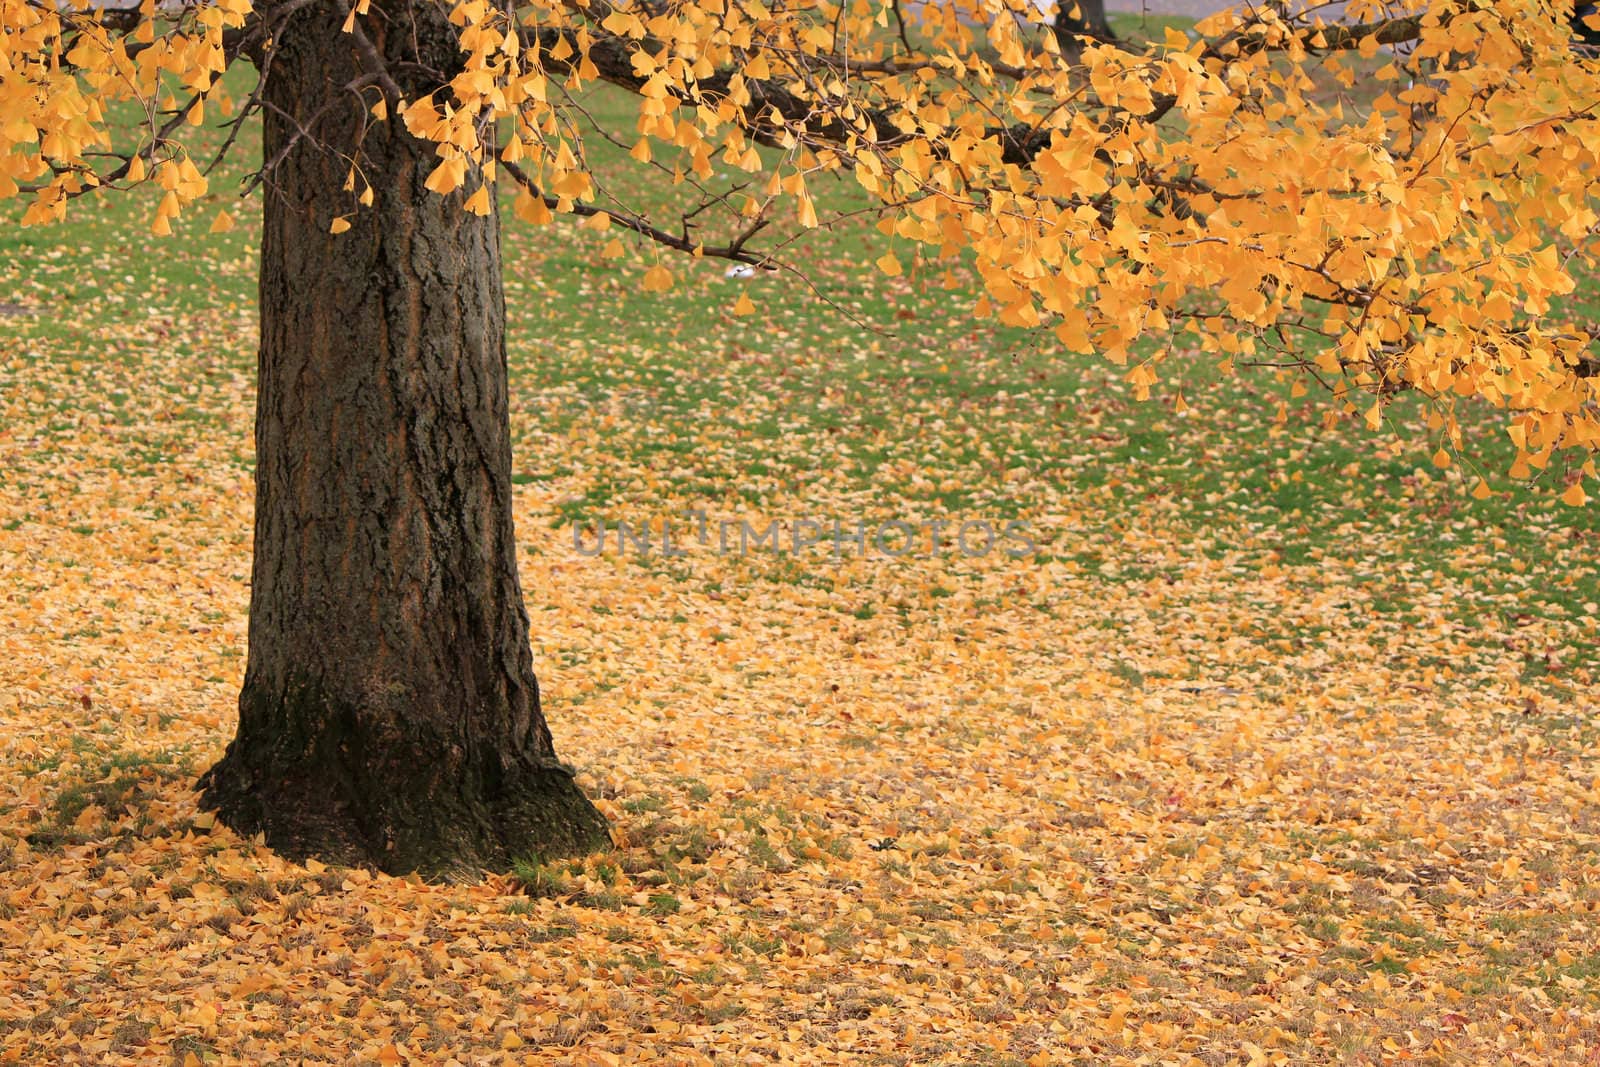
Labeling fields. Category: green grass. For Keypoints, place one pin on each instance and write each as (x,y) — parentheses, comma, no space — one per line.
(774,392)
(892,379)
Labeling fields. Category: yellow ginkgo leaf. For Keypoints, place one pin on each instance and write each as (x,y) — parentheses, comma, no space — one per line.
(657,279)
(222,223)
(532,209)
(446,176)
(339,225)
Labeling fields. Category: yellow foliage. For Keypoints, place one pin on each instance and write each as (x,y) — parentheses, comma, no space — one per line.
(1108,197)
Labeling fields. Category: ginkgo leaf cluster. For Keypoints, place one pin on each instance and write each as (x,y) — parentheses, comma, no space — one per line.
(1198,187)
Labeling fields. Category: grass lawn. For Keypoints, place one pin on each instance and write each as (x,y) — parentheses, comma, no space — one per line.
(1279,747)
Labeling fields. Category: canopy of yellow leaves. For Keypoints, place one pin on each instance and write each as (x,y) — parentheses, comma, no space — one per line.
(1196,186)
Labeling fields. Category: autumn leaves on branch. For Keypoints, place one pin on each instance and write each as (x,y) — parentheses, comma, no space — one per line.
(1224,187)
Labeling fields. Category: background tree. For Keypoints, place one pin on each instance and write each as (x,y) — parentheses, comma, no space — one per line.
(1586,24)
(1079,23)
(1199,189)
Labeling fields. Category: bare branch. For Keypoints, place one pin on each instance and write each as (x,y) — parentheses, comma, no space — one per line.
(734,249)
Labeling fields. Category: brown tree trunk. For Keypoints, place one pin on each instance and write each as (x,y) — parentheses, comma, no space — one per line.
(389,714)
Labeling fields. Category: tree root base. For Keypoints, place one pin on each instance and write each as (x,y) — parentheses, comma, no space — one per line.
(399,826)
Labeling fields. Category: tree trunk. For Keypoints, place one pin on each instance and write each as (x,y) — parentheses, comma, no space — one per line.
(1585,23)
(389,715)
(1090,24)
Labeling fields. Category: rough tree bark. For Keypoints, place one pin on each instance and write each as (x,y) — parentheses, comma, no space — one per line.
(389,715)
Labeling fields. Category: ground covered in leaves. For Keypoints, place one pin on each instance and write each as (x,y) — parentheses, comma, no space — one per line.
(1270,745)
